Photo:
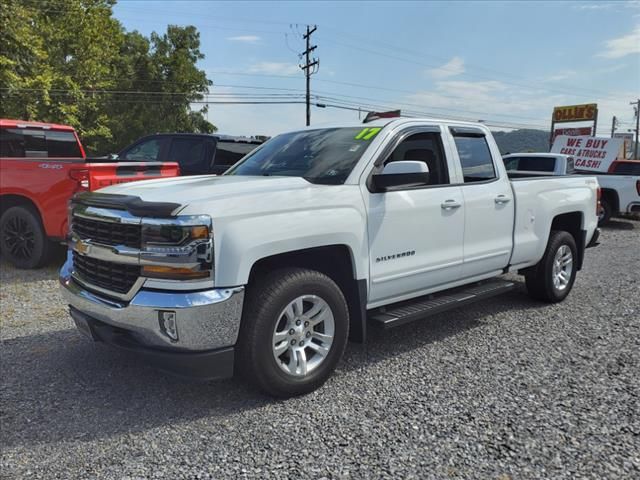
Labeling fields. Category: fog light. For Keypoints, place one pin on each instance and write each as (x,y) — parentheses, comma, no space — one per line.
(169,324)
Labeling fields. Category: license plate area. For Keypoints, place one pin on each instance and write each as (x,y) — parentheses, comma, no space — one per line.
(83,323)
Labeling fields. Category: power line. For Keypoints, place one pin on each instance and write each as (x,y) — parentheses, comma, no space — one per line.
(423,54)
(484,77)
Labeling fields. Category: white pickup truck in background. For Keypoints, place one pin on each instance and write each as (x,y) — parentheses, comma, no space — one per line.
(270,268)
(620,185)
(532,164)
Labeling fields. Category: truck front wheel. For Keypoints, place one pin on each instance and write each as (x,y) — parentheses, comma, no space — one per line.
(22,239)
(552,279)
(295,325)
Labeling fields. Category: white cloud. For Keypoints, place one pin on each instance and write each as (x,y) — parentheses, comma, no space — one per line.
(245,39)
(558,76)
(453,67)
(622,46)
(593,6)
(274,68)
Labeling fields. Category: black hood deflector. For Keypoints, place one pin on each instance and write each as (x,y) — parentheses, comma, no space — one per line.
(134,205)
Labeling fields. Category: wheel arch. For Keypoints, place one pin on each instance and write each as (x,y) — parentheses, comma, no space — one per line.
(9,200)
(335,261)
(611,196)
(572,223)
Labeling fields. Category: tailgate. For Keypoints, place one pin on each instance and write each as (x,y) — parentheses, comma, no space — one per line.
(105,174)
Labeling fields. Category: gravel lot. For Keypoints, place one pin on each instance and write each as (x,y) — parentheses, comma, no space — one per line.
(507,389)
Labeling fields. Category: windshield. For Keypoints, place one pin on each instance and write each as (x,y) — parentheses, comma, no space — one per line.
(320,156)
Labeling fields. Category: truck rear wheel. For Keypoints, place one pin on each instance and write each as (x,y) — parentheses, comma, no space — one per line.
(604,212)
(295,325)
(552,279)
(23,241)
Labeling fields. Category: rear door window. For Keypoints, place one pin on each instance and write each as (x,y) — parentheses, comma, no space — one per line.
(475,157)
(62,144)
(188,152)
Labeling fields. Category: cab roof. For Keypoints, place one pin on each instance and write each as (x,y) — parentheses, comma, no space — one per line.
(10,123)
(393,122)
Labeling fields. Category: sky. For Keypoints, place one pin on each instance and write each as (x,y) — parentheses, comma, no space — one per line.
(504,63)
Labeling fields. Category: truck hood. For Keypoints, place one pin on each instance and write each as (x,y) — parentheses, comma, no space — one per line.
(187,190)
(227,196)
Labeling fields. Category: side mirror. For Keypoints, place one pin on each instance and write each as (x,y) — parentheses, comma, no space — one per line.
(113,156)
(405,173)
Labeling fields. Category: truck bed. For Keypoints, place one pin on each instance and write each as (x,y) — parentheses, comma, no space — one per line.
(539,199)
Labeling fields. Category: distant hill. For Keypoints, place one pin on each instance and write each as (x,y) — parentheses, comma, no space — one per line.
(525,140)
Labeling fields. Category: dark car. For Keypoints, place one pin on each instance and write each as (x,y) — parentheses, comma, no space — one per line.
(196,153)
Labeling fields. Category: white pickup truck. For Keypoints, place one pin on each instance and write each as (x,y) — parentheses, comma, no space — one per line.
(270,268)
(620,185)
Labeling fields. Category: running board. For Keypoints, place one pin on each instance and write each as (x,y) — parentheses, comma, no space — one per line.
(416,309)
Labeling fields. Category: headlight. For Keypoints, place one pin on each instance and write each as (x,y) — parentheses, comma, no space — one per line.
(174,235)
(177,251)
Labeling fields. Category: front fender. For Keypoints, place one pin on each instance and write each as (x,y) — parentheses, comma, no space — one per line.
(241,242)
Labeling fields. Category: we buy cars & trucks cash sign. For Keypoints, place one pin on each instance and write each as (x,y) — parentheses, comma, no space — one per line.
(589,153)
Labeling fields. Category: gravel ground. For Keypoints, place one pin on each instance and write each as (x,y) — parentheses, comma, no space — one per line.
(507,389)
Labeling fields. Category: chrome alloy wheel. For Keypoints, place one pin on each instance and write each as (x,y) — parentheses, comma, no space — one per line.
(562,268)
(303,335)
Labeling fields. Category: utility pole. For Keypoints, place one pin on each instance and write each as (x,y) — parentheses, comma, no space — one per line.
(310,67)
(614,125)
(637,111)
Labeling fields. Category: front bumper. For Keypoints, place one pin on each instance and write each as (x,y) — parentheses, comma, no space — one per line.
(207,324)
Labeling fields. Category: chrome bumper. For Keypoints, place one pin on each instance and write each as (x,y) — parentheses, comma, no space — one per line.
(205,320)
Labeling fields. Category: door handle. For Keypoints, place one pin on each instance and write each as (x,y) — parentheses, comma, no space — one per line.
(450,205)
(502,199)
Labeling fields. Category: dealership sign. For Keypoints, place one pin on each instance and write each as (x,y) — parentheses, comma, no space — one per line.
(589,153)
(575,113)
(572,132)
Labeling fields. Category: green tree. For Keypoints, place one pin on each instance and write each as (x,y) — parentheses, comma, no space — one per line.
(163,81)
(71,62)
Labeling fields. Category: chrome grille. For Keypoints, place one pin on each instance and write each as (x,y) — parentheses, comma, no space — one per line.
(107,233)
(116,277)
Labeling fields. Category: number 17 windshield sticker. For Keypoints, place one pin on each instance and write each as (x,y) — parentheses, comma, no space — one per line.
(367,133)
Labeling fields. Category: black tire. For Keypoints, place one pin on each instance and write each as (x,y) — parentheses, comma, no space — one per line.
(540,280)
(264,303)
(605,213)
(23,241)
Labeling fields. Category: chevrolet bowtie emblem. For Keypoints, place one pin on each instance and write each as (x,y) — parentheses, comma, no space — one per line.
(82,247)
